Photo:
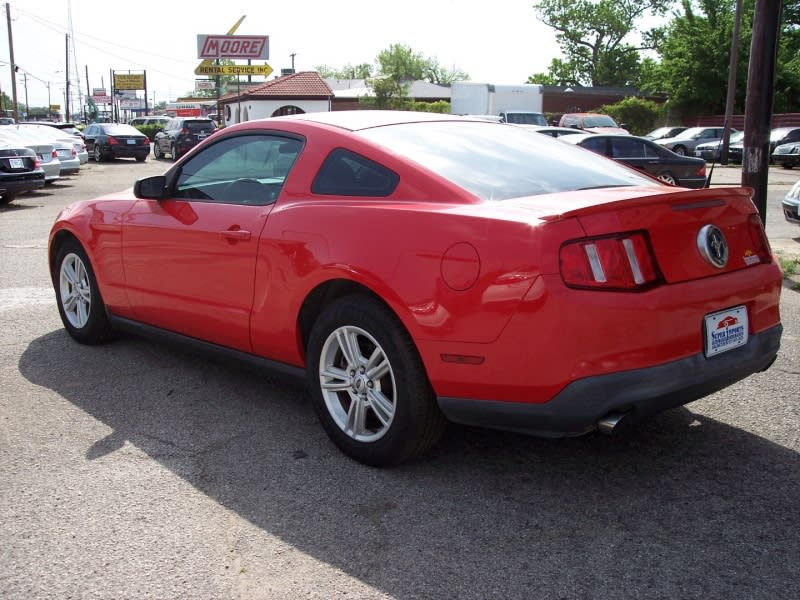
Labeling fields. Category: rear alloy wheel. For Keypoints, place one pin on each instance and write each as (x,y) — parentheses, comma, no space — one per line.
(156,151)
(368,385)
(668,178)
(81,308)
(679,150)
(98,156)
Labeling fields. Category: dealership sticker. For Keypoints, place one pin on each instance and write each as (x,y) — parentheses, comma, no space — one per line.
(726,330)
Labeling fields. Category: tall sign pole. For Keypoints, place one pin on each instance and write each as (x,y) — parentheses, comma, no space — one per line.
(14,107)
(758,108)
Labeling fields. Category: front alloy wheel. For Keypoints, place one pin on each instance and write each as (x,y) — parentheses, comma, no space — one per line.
(80,305)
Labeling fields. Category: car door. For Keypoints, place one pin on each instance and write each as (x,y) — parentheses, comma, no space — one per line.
(190,259)
(633,152)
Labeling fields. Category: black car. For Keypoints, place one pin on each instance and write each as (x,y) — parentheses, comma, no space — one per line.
(20,172)
(665,132)
(180,135)
(645,156)
(783,135)
(113,140)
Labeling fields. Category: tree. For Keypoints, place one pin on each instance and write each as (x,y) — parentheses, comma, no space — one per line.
(593,37)
(360,71)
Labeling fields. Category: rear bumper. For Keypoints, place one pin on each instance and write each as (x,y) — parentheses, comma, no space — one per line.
(638,393)
(17,184)
(122,151)
(790,160)
(791,211)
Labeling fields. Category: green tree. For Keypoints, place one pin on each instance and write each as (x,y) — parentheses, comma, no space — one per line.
(360,71)
(637,114)
(594,38)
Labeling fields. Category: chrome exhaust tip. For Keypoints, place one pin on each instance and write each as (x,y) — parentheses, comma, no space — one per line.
(609,423)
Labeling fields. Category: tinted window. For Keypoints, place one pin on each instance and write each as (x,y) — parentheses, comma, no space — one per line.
(199,126)
(113,129)
(629,148)
(497,162)
(345,173)
(595,145)
(247,169)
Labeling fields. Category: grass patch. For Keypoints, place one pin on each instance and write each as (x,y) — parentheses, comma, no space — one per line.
(790,266)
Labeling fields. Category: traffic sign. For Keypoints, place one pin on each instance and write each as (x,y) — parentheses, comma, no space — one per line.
(263,70)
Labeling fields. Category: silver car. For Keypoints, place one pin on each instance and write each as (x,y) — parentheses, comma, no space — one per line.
(44,150)
(710,151)
(66,146)
(685,142)
(791,204)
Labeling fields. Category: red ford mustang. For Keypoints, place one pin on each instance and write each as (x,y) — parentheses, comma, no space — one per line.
(420,269)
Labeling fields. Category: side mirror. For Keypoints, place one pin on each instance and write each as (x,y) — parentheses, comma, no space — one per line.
(150,188)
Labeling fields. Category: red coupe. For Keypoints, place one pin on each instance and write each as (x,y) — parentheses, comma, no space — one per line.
(422,268)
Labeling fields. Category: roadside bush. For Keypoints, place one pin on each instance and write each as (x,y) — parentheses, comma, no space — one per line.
(637,114)
(150,130)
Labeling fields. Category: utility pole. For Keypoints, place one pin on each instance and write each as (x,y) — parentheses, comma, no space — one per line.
(758,108)
(27,106)
(66,70)
(14,107)
(726,132)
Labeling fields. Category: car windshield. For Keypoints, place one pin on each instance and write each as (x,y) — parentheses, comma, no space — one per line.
(526,118)
(498,162)
(599,121)
(777,134)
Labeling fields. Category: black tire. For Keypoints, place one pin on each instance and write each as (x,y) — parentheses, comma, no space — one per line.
(679,150)
(7,199)
(156,151)
(80,305)
(141,158)
(98,154)
(400,418)
(787,165)
(174,152)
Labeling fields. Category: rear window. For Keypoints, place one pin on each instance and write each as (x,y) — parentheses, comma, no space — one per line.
(498,162)
(198,126)
(114,129)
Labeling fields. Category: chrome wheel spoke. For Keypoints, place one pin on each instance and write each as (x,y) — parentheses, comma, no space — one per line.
(334,379)
(356,417)
(348,343)
(381,406)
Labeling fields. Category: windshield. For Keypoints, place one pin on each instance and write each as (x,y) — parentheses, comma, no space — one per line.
(498,162)
(779,133)
(526,118)
(599,121)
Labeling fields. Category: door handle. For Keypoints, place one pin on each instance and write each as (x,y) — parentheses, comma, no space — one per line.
(236,234)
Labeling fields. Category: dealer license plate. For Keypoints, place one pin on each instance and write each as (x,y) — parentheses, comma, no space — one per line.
(131,142)
(16,163)
(726,330)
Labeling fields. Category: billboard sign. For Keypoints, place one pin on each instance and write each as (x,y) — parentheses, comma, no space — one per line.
(255,47)
(128,82)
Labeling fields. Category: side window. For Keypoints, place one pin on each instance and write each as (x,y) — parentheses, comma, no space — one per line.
(597,145)
(627,148)
(246,169)
(345,173)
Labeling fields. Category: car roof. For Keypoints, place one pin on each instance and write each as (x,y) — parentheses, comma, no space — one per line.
(366,119)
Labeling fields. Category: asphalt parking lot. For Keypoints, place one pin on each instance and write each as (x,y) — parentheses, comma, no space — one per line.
(135,470)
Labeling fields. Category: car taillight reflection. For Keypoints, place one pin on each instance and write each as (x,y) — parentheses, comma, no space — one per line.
(112,140)
(623,262)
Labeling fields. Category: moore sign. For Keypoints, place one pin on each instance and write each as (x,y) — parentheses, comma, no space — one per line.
(233,46)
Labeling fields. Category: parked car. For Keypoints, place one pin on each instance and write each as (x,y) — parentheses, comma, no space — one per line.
(68,128)
(787,155)
(665,132)
(646,156)
(685,142)
(20,171)
(65,155)
(45,151)
(710,151)
(182,134)
(418,268)
(783,135)
(69,163)
(115,140)
(791,204)
(591,122)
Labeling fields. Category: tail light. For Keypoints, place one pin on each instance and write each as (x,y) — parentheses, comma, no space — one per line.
(622,262)
(37,163)
(74,152)
(185,131)
(761,245)
(112,140)
(55,153)
(146,141)
(701,172)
